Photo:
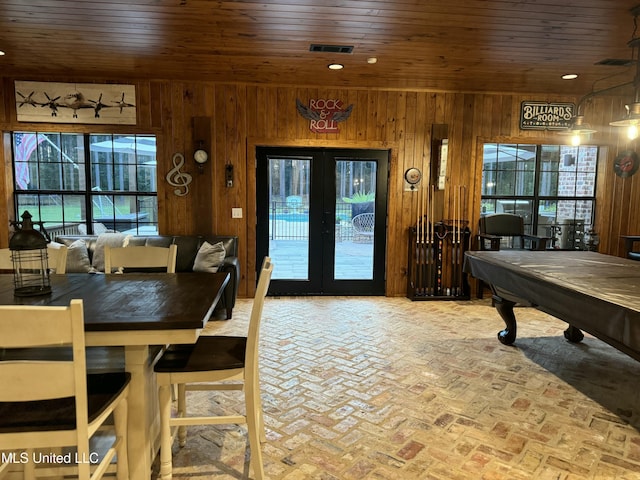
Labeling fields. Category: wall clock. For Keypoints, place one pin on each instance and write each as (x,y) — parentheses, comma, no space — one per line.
(413,176)
(200,156)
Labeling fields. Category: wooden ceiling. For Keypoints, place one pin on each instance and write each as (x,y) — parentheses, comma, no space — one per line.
(518,46)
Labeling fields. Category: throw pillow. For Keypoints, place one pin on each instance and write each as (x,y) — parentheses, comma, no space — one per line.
(111,239)
(209,257)
(78,257)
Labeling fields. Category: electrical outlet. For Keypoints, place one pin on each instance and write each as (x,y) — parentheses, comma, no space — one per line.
(236,213)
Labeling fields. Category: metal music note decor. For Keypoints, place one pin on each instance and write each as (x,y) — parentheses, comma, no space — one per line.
(179,179)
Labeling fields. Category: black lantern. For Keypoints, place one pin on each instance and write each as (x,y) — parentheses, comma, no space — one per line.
(30,260)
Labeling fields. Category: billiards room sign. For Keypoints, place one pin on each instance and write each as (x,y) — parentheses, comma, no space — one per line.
(546,116)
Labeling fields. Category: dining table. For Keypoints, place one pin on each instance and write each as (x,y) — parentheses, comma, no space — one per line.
(141,312)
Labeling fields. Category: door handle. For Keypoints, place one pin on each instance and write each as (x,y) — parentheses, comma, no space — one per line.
(326,219)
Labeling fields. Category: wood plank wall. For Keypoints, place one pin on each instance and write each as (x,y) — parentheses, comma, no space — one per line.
(243,116)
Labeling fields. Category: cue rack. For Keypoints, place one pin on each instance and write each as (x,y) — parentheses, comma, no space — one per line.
(436,250)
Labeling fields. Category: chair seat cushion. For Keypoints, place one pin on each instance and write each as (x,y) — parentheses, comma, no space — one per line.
(208,353)
(59,414)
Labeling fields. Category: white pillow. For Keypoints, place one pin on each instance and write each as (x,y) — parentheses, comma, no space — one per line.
(78,257)
(209,257)
(111,239)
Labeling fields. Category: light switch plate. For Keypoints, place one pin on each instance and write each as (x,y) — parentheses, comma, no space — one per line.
(236,213)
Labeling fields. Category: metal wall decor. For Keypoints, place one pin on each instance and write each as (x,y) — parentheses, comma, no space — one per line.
(75,103)
(324,114)
(626,163)
(179,179)
(546,116)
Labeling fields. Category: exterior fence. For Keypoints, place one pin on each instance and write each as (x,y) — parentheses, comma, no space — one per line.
(291,222)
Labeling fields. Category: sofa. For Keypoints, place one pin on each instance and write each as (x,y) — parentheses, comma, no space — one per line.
(86,254)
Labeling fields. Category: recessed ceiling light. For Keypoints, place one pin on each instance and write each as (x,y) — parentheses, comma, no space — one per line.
(1,53)
(570,76)
(372,60)
(335,66)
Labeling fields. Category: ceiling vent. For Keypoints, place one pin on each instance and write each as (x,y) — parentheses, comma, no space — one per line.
(616,62)
(316,47)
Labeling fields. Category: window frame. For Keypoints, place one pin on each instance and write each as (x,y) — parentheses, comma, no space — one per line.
(75,188)
(578,225)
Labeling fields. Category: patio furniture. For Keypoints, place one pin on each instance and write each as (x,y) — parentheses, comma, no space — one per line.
(363,226)
(211,364)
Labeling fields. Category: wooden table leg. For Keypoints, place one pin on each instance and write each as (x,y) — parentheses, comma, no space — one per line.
(142,412)
(505,309)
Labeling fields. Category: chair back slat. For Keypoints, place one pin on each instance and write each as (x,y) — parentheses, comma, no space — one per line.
(5,259)
(57,259)
(43,329)
(25,326)
(35,365)
(253,335)
(140,257)
(502,224)
(31,380)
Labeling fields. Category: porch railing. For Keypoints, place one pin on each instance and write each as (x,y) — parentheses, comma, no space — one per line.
(291,222)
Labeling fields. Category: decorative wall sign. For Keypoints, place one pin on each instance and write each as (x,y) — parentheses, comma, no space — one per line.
(546,116)
(179,179)
(626,163)
(324,114)
(75,103)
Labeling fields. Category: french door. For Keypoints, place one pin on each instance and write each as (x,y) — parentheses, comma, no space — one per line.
(322,219)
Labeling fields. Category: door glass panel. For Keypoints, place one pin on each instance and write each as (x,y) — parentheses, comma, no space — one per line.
(354,217)
(289,185)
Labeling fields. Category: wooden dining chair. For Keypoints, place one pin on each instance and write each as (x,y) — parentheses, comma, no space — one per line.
(203,366)
(6,264)
(57,255)
(47,400)
(140,257)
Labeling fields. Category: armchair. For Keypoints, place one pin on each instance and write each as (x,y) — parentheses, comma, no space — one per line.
(629,242)
(505,231)
(493,228)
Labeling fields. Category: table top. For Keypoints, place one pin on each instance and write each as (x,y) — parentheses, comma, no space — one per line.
(608,278)
(144,301)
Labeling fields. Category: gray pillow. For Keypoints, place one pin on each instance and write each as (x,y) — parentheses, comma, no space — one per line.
(209,257)
(78,257)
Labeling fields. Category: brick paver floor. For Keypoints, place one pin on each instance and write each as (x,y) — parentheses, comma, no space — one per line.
(386,388)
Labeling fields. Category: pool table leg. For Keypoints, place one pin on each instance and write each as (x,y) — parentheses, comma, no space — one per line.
(573,334)
(505,309)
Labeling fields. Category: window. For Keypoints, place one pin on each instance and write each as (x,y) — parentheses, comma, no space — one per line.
(86,183)
(551,186)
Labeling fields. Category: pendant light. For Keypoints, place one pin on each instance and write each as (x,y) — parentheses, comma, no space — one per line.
(631,119)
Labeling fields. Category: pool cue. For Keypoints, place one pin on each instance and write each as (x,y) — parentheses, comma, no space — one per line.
(454,252)
(459,221)
(419,234)
(434,270)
